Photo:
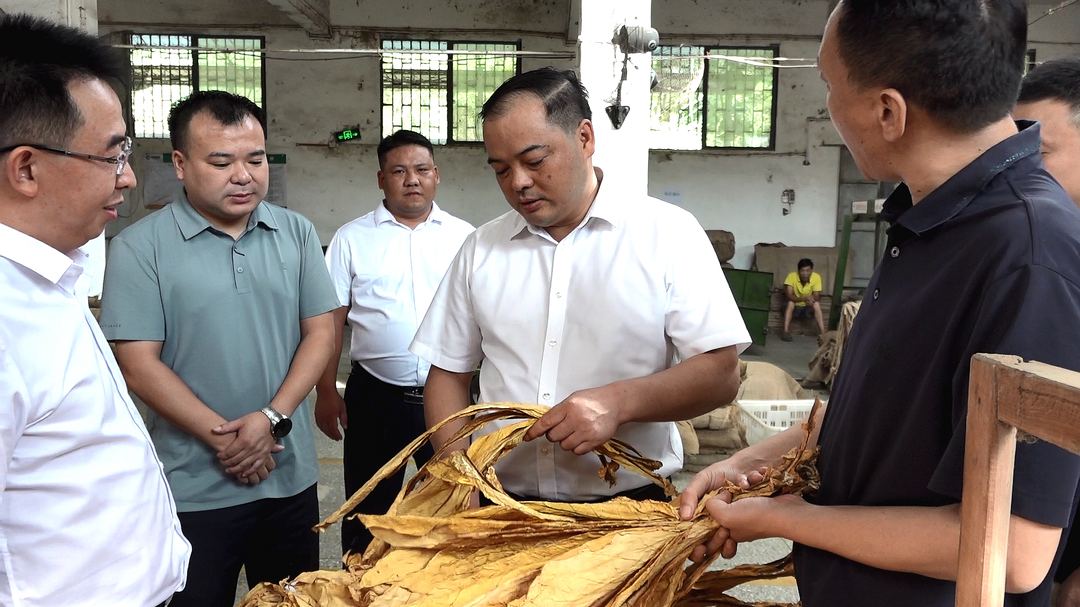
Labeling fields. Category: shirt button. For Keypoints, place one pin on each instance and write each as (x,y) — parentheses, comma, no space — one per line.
(239,270)
(558,296)
(895,252)
(552,343)
(876,293)
(544,451)
(547,396)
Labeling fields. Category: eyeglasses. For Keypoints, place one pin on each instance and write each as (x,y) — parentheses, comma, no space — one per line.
(120,160)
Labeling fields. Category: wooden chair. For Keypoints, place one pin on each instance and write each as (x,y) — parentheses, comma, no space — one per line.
(1005,395)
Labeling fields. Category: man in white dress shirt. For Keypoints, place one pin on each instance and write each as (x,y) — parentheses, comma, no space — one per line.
(581,298)
(385,267)
(86,517)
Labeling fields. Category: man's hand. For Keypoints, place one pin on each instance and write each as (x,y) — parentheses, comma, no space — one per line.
(329,410)
(262,472)
(749,519)
(1069,593)
(711,479)
(582,422)
(251,447)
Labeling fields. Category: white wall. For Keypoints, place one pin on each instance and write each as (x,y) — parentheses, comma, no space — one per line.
(740,191)
(736,191)
(76,13)
(1054,35)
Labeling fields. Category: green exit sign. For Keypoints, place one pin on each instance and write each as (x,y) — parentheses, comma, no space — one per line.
(347,134)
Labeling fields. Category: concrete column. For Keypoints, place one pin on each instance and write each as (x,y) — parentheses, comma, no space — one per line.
(623,154)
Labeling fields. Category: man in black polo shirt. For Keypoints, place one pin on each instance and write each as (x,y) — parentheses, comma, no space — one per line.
(1051,94)
(982,256)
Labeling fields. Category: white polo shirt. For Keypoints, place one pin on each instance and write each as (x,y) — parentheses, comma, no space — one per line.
(387,274)
(86,517)
(632,286)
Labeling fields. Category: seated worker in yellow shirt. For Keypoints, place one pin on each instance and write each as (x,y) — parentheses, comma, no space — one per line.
(803,296)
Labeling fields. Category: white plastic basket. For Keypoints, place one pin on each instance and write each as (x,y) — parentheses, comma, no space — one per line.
(764,418)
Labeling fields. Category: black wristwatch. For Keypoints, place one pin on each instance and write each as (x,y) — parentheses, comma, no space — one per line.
(280,425)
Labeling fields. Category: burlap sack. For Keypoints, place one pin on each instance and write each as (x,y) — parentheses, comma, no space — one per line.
(723,243)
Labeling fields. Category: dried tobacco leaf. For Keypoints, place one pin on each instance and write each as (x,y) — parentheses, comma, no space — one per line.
(432,551)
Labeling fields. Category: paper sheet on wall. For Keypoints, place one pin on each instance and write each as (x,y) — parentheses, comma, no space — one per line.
(277,194)
(672,195)
(160,185)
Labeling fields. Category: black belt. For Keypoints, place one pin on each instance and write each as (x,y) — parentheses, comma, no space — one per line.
(648,492)
(411,395)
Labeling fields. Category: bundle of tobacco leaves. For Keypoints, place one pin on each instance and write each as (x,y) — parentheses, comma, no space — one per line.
(432,550)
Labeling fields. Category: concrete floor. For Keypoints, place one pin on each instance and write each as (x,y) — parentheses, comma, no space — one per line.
(792,356)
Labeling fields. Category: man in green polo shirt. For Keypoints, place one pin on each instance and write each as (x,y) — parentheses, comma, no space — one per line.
(220,308)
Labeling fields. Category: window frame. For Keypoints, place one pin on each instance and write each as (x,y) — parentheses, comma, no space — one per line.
(450,43)
(774,110)
(193,49)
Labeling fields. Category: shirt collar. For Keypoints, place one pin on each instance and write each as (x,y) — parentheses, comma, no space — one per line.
(41,259)
(191,223)
(958,191)
(605,207)
(383,215)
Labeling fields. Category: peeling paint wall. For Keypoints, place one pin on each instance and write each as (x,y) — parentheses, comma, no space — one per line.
(736,191)
(530,15)
(76,13)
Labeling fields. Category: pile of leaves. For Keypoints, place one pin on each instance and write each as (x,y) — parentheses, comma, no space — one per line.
(432,550)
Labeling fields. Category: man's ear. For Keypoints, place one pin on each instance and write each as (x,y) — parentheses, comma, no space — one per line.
(892,115)
(22,171)
(179,162)
(586,137)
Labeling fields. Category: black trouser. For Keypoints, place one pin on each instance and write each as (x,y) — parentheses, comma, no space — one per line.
(271,538)
(383,420)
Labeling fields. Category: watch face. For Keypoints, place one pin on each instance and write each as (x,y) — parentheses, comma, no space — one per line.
(282,428)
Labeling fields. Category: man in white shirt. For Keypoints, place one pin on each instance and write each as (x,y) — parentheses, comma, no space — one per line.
(385,267)
(86,517)
(581,298)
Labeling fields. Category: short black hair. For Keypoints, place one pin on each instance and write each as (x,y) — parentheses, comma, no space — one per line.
(403,138)
(39,59)
(959,60)
(565,99)
(226,108)
(1057,79)
(805,263)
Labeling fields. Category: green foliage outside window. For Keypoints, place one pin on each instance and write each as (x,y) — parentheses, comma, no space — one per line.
(724,101)
(437,93)
(178,66)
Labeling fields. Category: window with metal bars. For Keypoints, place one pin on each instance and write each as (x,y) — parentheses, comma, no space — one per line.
(1029,61)
(713,97)
(173,67)
(437,88)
